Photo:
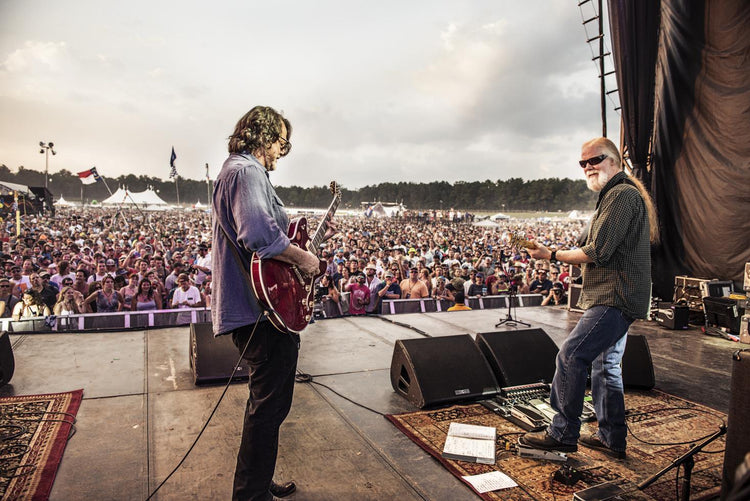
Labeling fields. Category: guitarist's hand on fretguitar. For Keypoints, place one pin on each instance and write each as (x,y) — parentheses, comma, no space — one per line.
(311,264)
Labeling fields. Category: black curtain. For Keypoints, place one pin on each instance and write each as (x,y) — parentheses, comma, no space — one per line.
(701,164)
(635,30)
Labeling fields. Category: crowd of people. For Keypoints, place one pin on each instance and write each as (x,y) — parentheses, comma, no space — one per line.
(95,260)
(385,258)
(87,260)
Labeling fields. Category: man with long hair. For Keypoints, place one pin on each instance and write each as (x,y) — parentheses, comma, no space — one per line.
(249,217)
(616,262)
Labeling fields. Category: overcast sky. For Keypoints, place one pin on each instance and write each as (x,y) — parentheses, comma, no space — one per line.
(376,91)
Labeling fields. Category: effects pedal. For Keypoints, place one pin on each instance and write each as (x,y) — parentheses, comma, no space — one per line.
(531,453)
(567,475)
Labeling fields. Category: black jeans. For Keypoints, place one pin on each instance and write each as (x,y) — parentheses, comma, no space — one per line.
(272,356)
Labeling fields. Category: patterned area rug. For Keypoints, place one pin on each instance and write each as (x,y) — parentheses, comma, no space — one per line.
(659,425)
(33,432)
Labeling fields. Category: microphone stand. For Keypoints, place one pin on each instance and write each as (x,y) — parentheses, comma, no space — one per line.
(688,462)
(509,317)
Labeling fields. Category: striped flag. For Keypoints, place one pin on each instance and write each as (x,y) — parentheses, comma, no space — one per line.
(173,171)
(89,176)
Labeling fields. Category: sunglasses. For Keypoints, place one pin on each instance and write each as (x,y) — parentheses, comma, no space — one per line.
(592,161)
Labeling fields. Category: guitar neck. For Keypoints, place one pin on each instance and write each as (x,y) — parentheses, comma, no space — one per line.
(317,239)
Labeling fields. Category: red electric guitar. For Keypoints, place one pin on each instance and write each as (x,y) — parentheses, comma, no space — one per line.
(282,288)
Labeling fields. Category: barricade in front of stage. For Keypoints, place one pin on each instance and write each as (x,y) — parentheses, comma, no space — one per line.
(120,321)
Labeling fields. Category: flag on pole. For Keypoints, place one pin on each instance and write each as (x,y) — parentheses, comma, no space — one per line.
(208,178)
(89,176)
(173,171)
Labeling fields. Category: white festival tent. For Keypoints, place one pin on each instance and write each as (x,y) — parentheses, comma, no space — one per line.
(499,216)
(63,203)
(147,198)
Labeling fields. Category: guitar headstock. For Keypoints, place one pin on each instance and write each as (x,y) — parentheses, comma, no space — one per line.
(335,189)
(517,239)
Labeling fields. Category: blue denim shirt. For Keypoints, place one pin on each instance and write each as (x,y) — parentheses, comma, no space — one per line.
(248,211)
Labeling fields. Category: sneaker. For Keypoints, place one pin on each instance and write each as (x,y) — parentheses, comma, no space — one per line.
(541,440)
(594,442)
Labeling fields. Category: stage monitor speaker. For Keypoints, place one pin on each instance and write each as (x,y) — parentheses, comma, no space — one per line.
(7,362)
(520,356)
(440,370)
(738,420)
(212,358)
(637,366)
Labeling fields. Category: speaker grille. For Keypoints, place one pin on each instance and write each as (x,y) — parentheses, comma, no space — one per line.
(519,357)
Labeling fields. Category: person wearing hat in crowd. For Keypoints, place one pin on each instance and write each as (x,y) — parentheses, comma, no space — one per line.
(413,287)
(372,282)
(387,289)
(202,264)
(556,296)
(459,302)
(186,295)
(19,281)
(542,285)
(441,291)
(40,283)
(359,294)
(111,266)
(477,287)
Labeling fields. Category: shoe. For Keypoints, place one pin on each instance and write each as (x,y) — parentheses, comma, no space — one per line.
(594,442)
(541,440)
(282,490)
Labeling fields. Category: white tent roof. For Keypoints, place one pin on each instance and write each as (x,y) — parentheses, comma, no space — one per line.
(486,223)
(122,196)
(499,215)
(577,215)
(62,202)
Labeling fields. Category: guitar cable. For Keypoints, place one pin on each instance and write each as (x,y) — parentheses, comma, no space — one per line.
(221,397)
(303,377)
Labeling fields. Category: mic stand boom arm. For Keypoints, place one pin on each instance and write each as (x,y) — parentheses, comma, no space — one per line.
(688,461)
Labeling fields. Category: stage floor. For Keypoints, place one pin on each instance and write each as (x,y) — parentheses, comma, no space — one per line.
(141,410)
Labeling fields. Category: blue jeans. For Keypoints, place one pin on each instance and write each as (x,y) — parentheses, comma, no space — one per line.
(598,339)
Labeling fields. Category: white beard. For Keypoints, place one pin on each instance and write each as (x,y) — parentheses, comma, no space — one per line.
(596,183)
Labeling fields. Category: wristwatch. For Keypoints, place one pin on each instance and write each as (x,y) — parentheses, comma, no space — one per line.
(553,256)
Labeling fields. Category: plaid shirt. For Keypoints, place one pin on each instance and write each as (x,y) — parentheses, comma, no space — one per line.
(618,243)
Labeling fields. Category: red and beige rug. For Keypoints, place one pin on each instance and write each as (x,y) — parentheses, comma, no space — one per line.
(34,430)
(661,430)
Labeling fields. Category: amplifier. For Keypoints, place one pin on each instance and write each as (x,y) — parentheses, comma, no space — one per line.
(671,316)
(690,291)
(723,312)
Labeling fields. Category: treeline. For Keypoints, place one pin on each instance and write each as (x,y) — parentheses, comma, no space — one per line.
(513,194)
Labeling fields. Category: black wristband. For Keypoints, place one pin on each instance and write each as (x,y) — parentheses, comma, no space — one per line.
(553,256)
